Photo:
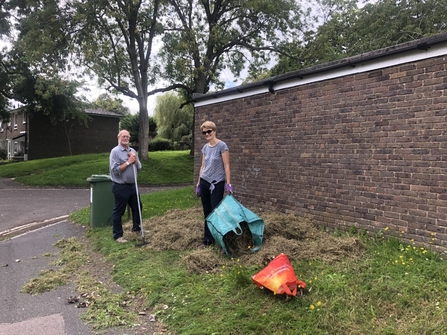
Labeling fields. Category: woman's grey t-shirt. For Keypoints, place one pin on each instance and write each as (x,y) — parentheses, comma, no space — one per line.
(213,170)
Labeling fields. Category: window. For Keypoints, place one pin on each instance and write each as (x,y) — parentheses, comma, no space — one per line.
(1,126)
(25,117)
(15,120)
(19,148)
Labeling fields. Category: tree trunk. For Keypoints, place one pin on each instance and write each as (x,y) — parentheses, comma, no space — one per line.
(67,137)
(143,133)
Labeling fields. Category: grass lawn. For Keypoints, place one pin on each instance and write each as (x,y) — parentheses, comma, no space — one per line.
(390,287)
(168,167)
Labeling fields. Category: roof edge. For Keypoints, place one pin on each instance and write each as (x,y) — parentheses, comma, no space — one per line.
(420,44)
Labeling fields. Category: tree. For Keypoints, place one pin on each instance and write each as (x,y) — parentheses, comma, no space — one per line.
(390,22)
(5,27)
(347,30)
(130,122)
(113,39)
(201,38)
(328,23)
(37,85)
(106,102)
(204,37)
(173,118)
(57,99)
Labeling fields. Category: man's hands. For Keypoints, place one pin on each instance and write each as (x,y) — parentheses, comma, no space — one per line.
(132,158)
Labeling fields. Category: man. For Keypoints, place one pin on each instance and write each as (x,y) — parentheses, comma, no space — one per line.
(123,164)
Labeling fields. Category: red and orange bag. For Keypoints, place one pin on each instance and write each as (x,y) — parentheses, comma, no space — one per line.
(278,276)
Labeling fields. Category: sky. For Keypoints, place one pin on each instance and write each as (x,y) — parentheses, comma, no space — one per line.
(94,91)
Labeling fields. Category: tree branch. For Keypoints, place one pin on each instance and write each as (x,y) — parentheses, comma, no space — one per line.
(170,88)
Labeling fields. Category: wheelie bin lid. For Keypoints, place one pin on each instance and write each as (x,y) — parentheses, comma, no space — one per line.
(98,178)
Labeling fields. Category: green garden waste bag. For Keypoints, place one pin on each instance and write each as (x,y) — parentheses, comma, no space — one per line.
(236,229)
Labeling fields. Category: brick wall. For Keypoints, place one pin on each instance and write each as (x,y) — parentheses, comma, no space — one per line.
(367,150)
(47,140)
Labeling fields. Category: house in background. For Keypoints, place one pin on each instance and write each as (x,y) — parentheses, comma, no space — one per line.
(34,136)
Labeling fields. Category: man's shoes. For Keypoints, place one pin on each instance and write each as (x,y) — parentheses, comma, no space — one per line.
(121,240)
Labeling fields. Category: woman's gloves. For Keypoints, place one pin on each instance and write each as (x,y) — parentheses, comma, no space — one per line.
(228,187)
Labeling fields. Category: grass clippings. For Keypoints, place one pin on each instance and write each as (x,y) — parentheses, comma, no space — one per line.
(297,237)
(239,243)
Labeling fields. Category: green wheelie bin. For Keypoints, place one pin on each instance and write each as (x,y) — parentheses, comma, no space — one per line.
(101,200)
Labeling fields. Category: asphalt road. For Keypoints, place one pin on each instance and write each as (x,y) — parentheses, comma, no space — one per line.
(21,259)
(31,220)
(23,205)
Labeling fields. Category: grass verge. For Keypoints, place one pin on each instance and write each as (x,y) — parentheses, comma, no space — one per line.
(166,167)
(393,288)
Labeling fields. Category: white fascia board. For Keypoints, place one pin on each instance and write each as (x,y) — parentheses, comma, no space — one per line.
(370,65)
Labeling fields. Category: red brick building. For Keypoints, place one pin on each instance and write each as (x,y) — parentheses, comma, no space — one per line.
(360,142)
(34,136)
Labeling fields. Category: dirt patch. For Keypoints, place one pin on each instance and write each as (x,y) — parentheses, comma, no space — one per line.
(295,236)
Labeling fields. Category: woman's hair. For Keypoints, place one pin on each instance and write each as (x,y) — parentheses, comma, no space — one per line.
(209,125)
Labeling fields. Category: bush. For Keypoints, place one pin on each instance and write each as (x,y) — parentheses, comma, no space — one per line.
(3,153)
(160,144)
(184,144)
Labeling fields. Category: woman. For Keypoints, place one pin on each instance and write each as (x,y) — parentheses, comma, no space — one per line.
(214,174)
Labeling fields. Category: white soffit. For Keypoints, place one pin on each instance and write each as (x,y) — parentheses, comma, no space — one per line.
(370,65)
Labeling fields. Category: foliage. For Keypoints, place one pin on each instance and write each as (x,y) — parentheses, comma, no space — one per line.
(106,102)
(130,122)
(160,144)
(5,14)
(174,120)
(114,40)
(3,153)
(390,22)
(5,27)
(347,30)
(203,38)
(199,41)
(186,142)
(57,99)
(35,83)
(53,96)
(42,40)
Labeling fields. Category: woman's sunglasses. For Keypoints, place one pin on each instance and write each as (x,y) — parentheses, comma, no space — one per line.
(207,132)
